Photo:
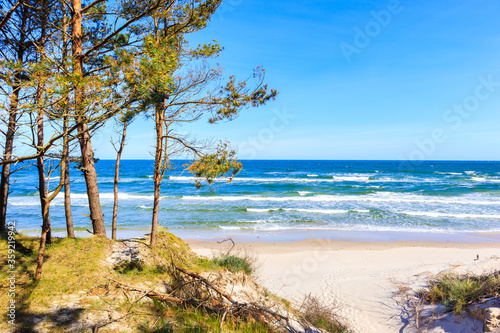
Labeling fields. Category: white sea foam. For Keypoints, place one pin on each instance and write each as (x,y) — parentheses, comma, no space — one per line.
(351,178)
(462,216)
(313,179)
(228,227)
(486,180)
(318,211)
(305,210)
(27,203)
(184,178)
(302,193)
(262,210)
(362,228)
(479,179)
(108,196)
(310,179)
(384,197)
(360,210)
(301,210)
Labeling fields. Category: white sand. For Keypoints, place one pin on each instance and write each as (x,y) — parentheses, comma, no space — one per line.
(359,277)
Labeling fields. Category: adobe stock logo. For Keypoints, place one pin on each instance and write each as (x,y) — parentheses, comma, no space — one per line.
(453,118)
(254,144)
(373,28)
(227,6)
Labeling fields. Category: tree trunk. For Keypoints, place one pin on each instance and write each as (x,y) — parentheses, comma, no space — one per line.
(40,137)
(11,127)
(158,175)
(46,235)
(89,170)
(9,147)
(67,188)
(65,151)
(41,178)
(43,239)
(117,172)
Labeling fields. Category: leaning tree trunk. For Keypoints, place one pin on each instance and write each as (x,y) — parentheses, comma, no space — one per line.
(46,236)
(89,170)
(41,180)
(9,147)
(117,173)
(158,175)
(43,241)
(40,138)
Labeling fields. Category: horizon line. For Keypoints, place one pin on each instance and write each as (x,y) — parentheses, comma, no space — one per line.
(331,160)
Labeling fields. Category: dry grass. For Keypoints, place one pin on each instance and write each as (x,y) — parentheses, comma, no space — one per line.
(71,265)
(322,316)
(411,305)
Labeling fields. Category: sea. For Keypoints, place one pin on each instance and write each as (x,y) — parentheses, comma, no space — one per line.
(281,197)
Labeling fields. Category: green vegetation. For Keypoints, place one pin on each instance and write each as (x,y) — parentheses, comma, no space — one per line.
(178,319)
(234,264)
(72,265)
(79,284)
(458,291)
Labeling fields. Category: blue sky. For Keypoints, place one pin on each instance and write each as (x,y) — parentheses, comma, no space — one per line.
(357,80)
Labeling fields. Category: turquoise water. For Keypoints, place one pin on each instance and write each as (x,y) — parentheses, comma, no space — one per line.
(286,196)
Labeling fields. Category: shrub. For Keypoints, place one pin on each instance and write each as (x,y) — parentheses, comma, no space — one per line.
(235,264)
(458,291)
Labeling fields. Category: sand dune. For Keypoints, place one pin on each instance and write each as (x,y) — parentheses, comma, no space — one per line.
(360,278)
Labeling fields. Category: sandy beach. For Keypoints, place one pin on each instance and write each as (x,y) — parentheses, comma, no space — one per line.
(360,278)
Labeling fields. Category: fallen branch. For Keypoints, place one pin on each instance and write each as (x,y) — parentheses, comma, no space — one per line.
(225,240)
(165,297)
(206,282)
(213,304)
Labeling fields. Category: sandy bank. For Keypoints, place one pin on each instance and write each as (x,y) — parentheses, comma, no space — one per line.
(360,278)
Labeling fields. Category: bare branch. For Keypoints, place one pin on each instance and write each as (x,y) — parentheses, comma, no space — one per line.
(9,14)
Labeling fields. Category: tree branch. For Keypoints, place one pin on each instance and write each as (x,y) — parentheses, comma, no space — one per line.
(9,14)
(92,5)
(129,22)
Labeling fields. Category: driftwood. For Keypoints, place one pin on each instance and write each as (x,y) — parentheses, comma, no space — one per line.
(226,240)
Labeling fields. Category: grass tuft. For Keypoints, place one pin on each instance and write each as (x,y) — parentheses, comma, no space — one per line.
(322,316)
(458,291)
(235,264)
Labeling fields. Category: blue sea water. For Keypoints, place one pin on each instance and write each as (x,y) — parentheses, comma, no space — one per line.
(437,196)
